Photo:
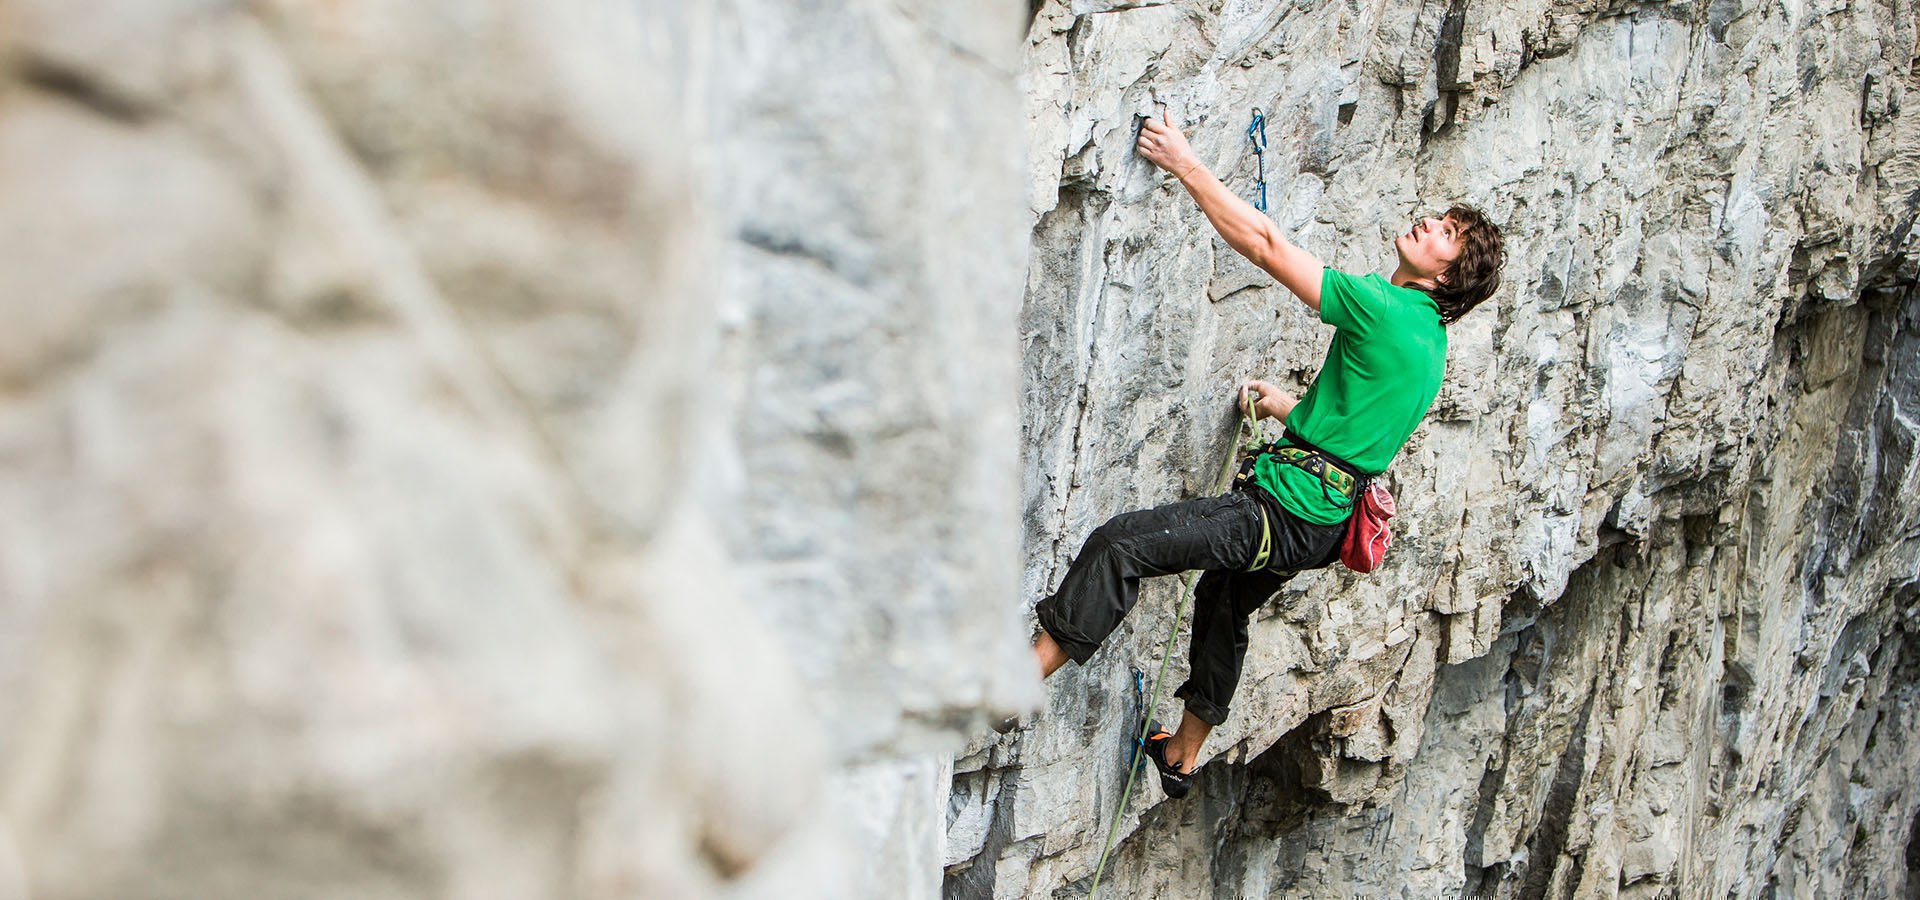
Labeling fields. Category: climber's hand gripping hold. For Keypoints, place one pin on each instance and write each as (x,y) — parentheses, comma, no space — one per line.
(1165,146)
(1246,229)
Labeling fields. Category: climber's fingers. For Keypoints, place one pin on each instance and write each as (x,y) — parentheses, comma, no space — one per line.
(1146,141)
(1255,392)
(1150,149)
(1159,142)
(1163,144)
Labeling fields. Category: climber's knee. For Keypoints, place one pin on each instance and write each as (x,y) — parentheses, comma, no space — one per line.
(1076,645)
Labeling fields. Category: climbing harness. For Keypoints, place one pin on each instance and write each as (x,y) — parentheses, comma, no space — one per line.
(1257,136)
(1333,480)
(1368,502)
(1266,541)
(1251,425)
(1336,475)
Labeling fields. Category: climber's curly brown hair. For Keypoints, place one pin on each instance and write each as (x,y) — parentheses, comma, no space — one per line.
(1475,275)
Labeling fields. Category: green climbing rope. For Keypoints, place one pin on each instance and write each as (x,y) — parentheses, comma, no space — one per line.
(1252,428)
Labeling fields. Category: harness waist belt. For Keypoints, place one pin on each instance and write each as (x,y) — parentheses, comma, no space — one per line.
(1316,465)
(1336,475)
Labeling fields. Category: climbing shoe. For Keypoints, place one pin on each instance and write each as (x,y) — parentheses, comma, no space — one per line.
(1175,782)
(1007,725)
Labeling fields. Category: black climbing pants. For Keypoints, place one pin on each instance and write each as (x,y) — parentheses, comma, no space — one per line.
(1220,535)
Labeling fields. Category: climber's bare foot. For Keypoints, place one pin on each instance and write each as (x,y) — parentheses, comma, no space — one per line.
(1047,652)
(1184,747)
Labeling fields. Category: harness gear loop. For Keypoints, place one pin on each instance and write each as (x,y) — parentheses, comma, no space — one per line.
(1257,136)
(1252,426)
(1266,541)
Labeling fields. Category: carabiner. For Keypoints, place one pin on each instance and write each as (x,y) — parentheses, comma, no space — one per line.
(1257,136)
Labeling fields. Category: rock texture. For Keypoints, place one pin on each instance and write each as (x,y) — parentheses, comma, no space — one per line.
(484,448)
(1649,628)
(501,449)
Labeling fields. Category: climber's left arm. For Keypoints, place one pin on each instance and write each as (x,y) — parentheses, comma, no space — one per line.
(1247,230)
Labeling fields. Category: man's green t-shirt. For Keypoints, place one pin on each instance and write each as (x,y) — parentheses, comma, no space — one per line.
(1381,374)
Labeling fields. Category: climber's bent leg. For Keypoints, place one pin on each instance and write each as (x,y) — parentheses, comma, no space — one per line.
(1224,601)
(1222,604)
(1104,580)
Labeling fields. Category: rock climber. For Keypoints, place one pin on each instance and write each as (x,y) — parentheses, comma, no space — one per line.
(1380,375)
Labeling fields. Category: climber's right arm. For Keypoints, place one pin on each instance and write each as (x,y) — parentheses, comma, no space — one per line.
(1247,230)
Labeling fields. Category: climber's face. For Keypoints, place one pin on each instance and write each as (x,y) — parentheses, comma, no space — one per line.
(1428,248)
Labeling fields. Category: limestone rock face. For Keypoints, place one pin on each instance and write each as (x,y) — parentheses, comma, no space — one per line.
(499,449)
(606,448)
(1649,626)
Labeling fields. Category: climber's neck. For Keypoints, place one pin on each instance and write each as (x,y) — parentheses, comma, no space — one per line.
(1407,278)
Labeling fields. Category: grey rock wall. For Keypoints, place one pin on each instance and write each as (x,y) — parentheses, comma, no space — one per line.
(600,448)
(870,158)
(1647,629)
(502,449)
